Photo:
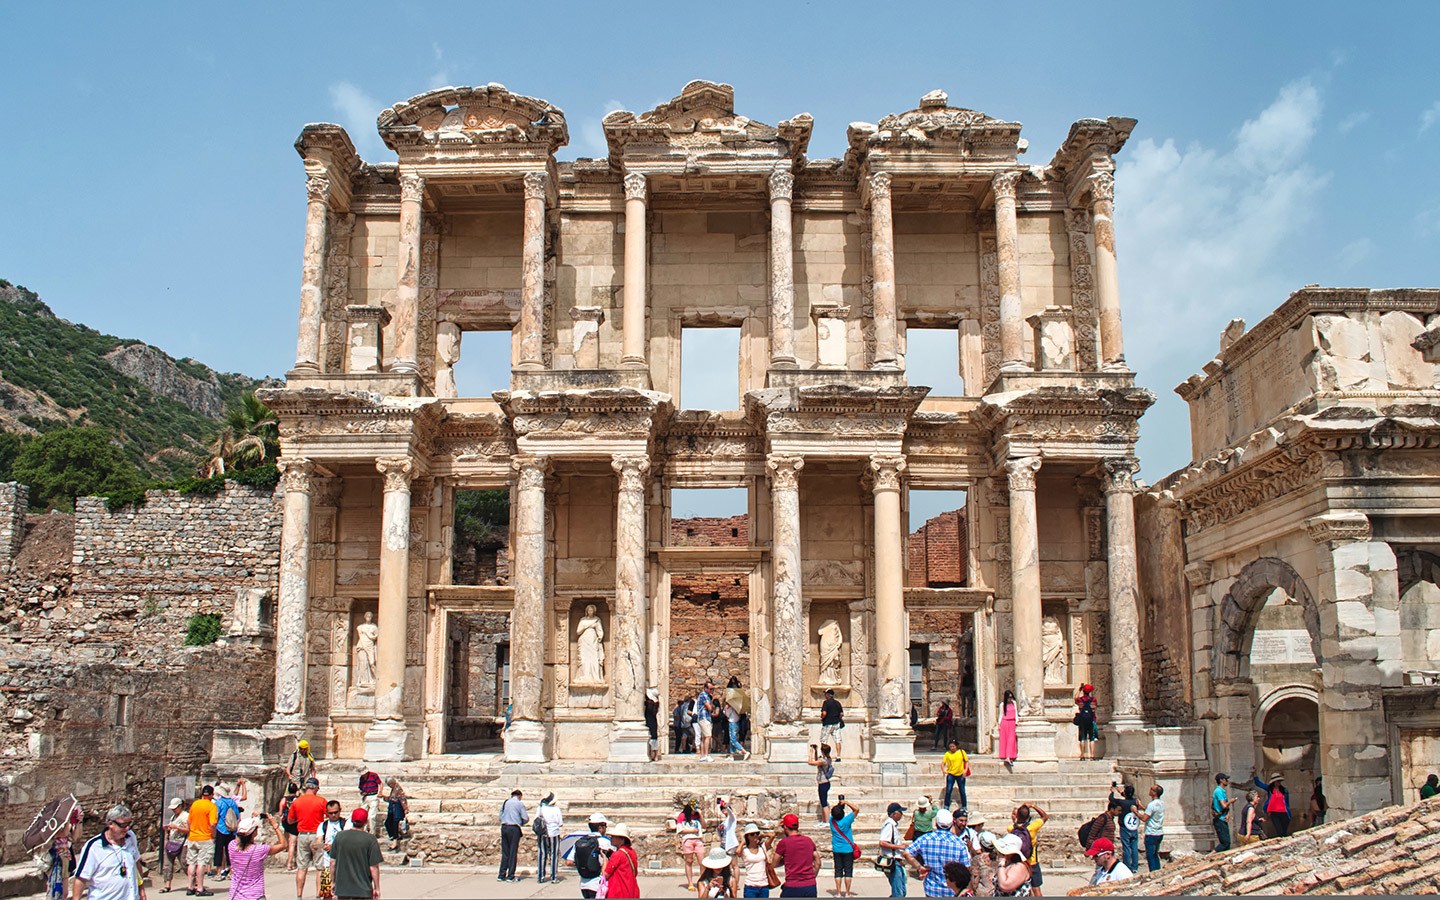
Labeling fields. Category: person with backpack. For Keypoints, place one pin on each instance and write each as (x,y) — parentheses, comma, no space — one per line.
(549,824)
(1277,805)
(842,845)
(588,854)
(832,722)
(1089,732)
(513,815)
(1102,826)
(227,820)
(302,766)
(680,726)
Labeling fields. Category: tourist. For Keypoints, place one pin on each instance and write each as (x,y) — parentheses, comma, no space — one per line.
(842,844)
(738,703)
(704,720)
(1252,821)
(754,859)
(715,875)
(1129,824)
(1085,720)
(1012,875)
(172,854)
(355,861)
(726,828)
(587,855)
(1278,804)
(984,860)
(370,796)
(62,852)
(1108,866)
(680,726)
(1029,819)
(1431,787)
(247,858)
(798,856)
(923,820)
(957,879)
(332,826)
(1102,826)
(622,869)
(732,719)
(652,721)
(690,826)
(307,812)
(927,855)
(109,866)
(302,765)
(892,843)
(549,826)
(961,825)
(824,772)
(200,842)
(1220,812)
(1319,806)
(513,815)
(288,825)
(227,818)
(915,717)
(832,722)
(944,724)
(1154,818)
(397,813)
(956,766)
(1009,718)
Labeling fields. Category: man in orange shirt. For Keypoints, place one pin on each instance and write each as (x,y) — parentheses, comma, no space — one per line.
(307,812)
(200,842)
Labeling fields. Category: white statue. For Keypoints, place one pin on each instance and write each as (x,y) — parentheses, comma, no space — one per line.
(363,659)
(1052,650)
(830,641)
(590,641)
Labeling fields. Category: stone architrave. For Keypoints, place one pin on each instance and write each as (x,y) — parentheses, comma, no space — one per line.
(882,269)
(1107,281)
(386,739)
(312,273)
(296,478)
(1119,486)
(633,299)
(782,271)
(630,621)
(525,738)
(1007,250)
(405,322)
(1025,584)
(787,606)
(531,343)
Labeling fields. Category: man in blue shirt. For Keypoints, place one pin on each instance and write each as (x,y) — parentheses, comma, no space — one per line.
(927,855)
(1220,811)
(512,816)
(703,719)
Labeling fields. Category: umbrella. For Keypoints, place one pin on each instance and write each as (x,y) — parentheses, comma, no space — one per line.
(737,698)
(50,821)
(567,843)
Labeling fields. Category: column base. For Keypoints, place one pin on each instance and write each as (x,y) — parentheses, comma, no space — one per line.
(388,740)
(1035,739)
(894,741)
(526,742)
(404,367)
(1115,365)
(1014,365)
(784,362)
(629,742)
(788,743)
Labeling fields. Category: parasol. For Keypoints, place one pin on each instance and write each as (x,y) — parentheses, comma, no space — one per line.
(737,698)
(53,818)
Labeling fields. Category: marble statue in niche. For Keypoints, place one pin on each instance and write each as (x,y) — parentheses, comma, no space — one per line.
(590,647)
(362,659)
(831,639)
(1052,650)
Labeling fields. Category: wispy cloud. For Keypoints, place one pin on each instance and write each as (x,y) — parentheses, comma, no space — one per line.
(1354,253)
(1353,121)
(357,112)
(1430,116)
(441,76)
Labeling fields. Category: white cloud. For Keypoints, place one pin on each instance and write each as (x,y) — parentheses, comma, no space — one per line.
(1430,116)
(1202,234)
(1354,253)
(358,111)
(1353,121)
(592,136)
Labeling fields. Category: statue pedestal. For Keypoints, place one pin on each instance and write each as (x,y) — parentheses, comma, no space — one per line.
(1035,738)
(788,743)
(894,741)
(629,742)
(525,742)
(388,740)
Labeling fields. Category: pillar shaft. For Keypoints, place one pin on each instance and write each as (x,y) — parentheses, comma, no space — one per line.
(889,589)
(312,273)
(782,272)
(527,620)
(1025,585)
(532,274)
(394,589)
(633,314)
(882,270)
(1007,253)
(294,601)
(789,611)
(629,623)
(406,318)
(1118,482)
(1107,281)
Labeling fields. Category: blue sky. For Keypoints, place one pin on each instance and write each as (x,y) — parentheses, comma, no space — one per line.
(150,189)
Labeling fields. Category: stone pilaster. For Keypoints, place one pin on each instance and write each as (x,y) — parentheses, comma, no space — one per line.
(531,345)
(629,621)
(1118,481)
(882,269)
(525,739)
(1107,280)
(312,273)
(787,733)
(1007,249)
(296,478)
(387,739)
(633,314)
(406,317)
(894,740)
(782,271)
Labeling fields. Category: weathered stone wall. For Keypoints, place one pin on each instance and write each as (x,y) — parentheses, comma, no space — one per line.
(947,636)
(939,552)
(1165,612)
(14,498)
(709,630)
(711,531)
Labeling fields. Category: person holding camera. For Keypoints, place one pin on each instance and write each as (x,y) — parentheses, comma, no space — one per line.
(824,772)
(842,845)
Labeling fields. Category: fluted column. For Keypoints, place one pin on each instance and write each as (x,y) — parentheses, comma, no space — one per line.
(1119,485)
(788,608)
(782,271)
(882,270)
(525,739)
(386,738)
(633,313)
(532,274)
(1107,280)
(1025,585)
(312,273)
(629,621)
(1007,252)
(294,602)
(889,589)
(405,322)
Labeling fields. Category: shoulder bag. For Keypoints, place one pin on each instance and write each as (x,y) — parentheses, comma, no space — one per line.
(853,849)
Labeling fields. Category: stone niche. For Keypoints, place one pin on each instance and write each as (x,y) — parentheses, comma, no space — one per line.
(360,695)
(829,620)
(585,689)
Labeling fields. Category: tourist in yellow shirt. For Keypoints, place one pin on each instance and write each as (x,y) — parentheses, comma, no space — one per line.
(956,763)
(200,843)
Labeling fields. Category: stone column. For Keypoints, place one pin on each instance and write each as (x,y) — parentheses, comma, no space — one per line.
(787,732)
(406,318)
(294,605)
(525,739)
(1107,281)
(633,314)
(782,272)
(1025,585)
(882,270)
(1119,485)
(629,621)
(387,737)
(1007,252)
(532,274)
(312,273)
(894,741)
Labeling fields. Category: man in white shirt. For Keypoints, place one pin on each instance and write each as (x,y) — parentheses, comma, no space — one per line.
(109,863)
(892,842)
(1108,866)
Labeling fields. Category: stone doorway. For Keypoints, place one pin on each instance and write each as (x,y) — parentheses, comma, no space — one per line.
(478,645)
(1289,732)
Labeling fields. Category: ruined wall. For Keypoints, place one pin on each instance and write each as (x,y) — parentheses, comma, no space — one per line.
(709,630)
(947,637)
(711,531)
(1165,612)
(14,498)
(938,552)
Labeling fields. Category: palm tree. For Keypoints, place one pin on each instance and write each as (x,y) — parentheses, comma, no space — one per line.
(249,438)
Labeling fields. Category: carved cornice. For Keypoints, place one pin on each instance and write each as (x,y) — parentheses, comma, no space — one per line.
(784,471)
(536,185)
(885,472)
(412,188)
(1344,527)
(1289,468)
(636,186)
(1199,574)
(468,116)
(1067,414)
(1021,472)
(702,119)
(398,470)
(938,125)
(601,411)
(296,474)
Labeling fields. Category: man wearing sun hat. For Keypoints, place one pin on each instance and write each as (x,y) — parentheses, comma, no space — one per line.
(1108,866)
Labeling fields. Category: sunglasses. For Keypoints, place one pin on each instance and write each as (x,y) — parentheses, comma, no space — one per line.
(125,824)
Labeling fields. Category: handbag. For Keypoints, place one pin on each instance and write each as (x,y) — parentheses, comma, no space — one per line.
(772,877)
(174,848)
(910,832)
(853,849)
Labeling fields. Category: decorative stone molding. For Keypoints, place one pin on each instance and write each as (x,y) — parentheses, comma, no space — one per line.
(412,188)
(1021,472)
(1102,187)
(317,187)
(1247,484)
(782,185)
(1199,574)
(397,471)
(536,185)
(885,471)
(1343,527)
(784,471)
(880,186)
(636,186)
(1119,474)
(296,474)
(1005,185)
(631,470)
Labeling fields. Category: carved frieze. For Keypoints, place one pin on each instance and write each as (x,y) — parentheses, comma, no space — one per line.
(833,572)
(1082,292)
(1275,475)
(989,307)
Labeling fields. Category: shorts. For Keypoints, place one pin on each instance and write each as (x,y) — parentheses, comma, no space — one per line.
(828,733)
(308,852)
(1037,877)
(1249,839)
(844,865)
(198,853)
(693,845)
(705,726)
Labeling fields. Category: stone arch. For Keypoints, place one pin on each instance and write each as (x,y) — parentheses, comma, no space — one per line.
(1415,566)
(1241,607)
(1278,696)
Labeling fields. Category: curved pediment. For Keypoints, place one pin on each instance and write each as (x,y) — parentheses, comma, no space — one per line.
(703,117)
(934,121)
(485,114)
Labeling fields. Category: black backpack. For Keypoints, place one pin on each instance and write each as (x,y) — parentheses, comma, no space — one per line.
(587,856)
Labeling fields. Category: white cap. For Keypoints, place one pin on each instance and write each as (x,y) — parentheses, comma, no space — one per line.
(247,825)
(598,819)
(943,819)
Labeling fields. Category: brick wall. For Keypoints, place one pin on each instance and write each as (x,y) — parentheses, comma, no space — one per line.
(710,531)
(938,551)
(709,630)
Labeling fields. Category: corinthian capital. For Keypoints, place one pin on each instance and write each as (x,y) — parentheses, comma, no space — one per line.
(1119,474)
(531,470)
(885,471)
(317,187)
(632,471)
(397,471)
(412,188)
(1005,184)
(1102,187)
(784,471)
(635,186)
(296,473)
(880,186)
(1021,472)
(536,185)
(782,185)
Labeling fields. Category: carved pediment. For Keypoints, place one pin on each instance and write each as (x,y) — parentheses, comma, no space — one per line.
(703,116)
(484,114)
(933,120)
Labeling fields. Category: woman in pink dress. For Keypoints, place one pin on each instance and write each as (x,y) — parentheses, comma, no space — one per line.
(1009,715)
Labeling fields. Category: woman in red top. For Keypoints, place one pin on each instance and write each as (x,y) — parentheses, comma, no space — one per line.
(623,865)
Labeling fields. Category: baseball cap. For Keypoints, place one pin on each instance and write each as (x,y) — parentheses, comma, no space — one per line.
(312,782)
(943,819)
(247,825)
(790,821)
(962,813)
(893,808)
(359,817)
(599,819)
(304,745)
(1099,846)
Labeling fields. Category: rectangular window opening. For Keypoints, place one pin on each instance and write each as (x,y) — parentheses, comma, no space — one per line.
(502,676)
(932,359)
(919,662)
(939,546)
(484,364)
(122,709)
(710,368)
(709,517)
(479,549)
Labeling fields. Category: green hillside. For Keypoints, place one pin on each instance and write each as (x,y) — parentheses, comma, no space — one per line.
(55,374)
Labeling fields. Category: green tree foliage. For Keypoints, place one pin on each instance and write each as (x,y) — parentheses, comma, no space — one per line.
(482,518)
(202,629)
(249,439)
(10,445)
(73,462)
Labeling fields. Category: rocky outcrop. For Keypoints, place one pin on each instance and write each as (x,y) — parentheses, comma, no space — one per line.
(164,377)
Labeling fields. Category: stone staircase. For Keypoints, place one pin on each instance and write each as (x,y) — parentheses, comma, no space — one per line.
(455,800)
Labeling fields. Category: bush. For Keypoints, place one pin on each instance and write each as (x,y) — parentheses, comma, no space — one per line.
(202,629)
(73,462)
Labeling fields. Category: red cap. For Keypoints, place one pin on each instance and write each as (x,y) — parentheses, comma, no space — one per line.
(359,817)
(1101,845)
(790,821)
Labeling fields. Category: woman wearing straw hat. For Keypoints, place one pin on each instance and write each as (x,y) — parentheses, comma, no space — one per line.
(623,868)
(1012,878)
(754,857)
(715,875)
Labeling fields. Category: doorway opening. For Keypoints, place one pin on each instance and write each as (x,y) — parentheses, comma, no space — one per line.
(942,674)
(1290,747)
(479,658)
